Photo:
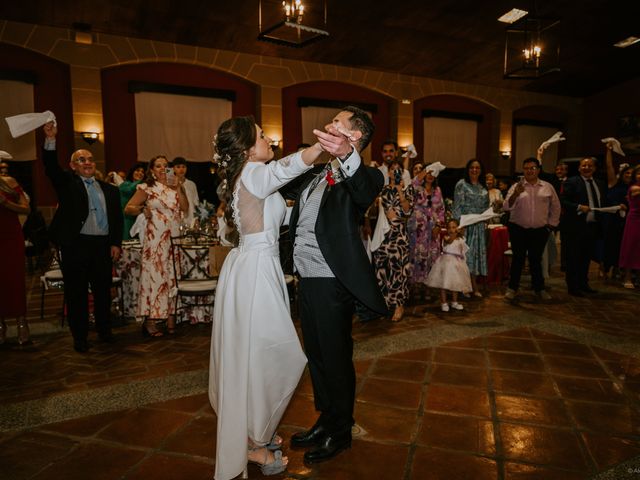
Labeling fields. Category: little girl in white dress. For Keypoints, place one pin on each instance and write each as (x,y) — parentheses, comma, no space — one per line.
(450,270)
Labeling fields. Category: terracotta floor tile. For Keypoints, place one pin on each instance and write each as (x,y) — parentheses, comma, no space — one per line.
(458,375)
(399,370)
(460,356)
(26,453)
(392,393)
(548,336)
(575,367)
(625,369)
(532,410)
(190,404)
(361,367)
(453,399)
(306,387)
(422,355)
(517,333)
(364,460)
(477,343)
(432,464)
(542,446)
(454,432)
(505,344)
(538,384)
(197,438)
(606,418)
(383,423)
(565,349)
(170,467)
(516,361)
(85,426)
(105,462)
(608,451)
(146,427)
(519,471)
(301,412)
(589,389)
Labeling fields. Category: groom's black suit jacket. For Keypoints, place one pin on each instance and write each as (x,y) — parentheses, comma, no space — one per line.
(338,234)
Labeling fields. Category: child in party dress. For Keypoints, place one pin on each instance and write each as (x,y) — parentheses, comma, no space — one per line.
(450,271)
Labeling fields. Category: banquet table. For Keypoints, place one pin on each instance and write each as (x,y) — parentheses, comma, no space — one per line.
(208,256)
(497,264)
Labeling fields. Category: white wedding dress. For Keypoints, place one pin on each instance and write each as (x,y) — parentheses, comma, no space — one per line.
(256,357)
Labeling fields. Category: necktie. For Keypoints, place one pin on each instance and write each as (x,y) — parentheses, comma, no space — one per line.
(314,183)
(96,205)
(594,194)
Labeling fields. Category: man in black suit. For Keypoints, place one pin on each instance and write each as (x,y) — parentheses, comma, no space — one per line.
(581,225)
(87,227)
(334,272)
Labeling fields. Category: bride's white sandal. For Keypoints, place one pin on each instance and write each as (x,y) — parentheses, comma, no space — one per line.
(278,465)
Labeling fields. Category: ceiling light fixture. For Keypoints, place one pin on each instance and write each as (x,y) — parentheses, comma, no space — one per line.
(532,48)
(627,42)
(290,30)
(512,16)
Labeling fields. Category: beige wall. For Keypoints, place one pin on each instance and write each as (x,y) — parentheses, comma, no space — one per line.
(272,74)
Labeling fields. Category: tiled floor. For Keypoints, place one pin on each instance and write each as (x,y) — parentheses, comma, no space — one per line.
(499,391)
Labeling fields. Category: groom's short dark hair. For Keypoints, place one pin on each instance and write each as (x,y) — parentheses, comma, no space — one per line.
(361,121)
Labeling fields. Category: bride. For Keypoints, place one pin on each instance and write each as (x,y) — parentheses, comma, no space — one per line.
(256,358)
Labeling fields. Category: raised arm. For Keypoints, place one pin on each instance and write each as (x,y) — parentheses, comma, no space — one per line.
(611,173)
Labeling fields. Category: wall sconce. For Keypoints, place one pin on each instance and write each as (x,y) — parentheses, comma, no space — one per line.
(505,154)
(90,137)
(275,143)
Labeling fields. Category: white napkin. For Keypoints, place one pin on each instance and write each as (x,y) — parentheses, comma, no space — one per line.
(616,145)
(139,228)
(117,179)
(5,155)
(435,168)
(613,209)
(27,122)
(471,218)
(382,227)
(556,137)
(222,232)
(411,151)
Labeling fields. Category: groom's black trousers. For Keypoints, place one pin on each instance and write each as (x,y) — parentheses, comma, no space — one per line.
(326,310)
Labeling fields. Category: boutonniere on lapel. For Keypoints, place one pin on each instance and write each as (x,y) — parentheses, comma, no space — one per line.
(334,174)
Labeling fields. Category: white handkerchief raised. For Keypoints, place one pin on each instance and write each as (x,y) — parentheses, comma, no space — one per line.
(612,209)
(27,122)
(472,218)
(556,137)
(382,227)
(615,144)
(411,151)
(5,155)
(435,168)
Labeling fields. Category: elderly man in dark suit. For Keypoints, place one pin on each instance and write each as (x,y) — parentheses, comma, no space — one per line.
(581,225)
(87,227)
(334,272)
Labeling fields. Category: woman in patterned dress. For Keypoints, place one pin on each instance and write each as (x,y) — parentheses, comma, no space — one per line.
(391,258)
(424,225)
(161,204)
(470,196)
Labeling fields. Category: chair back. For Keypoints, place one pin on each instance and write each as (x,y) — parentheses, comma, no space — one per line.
(190,253)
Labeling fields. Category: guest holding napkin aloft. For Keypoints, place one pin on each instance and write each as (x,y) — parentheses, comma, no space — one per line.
(161,201)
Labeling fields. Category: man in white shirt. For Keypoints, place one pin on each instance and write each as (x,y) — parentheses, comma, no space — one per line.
(388,154)
(180,170)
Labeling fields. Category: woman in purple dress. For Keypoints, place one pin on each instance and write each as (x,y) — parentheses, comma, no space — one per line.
(424,225)
(629,255)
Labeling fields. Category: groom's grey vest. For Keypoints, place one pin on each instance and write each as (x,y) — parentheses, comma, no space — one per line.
(307,257)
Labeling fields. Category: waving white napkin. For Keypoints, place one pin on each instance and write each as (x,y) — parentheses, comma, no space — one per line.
(556,137)
(5,155)
(139,228)
(615,144)
(435,168)
(411,151)
(382,227)
(27,122)
(471,218)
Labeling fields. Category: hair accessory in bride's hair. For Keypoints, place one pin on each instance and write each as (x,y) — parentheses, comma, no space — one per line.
(222,160)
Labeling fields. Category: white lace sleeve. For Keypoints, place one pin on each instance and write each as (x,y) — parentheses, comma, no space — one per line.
(264,179)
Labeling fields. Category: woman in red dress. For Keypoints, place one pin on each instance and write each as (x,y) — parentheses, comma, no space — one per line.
(13,297)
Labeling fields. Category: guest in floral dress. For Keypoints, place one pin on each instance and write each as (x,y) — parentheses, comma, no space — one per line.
(470,196)
(424,225)
(161,204)
(391,258)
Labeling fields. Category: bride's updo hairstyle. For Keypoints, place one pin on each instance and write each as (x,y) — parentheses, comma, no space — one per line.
(232,143)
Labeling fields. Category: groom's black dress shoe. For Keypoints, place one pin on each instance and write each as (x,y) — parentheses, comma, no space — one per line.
(329,448)
(309,438)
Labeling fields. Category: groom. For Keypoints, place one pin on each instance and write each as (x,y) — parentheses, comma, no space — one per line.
(334,271)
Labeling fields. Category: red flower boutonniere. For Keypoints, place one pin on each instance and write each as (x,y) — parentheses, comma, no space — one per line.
(329,178)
